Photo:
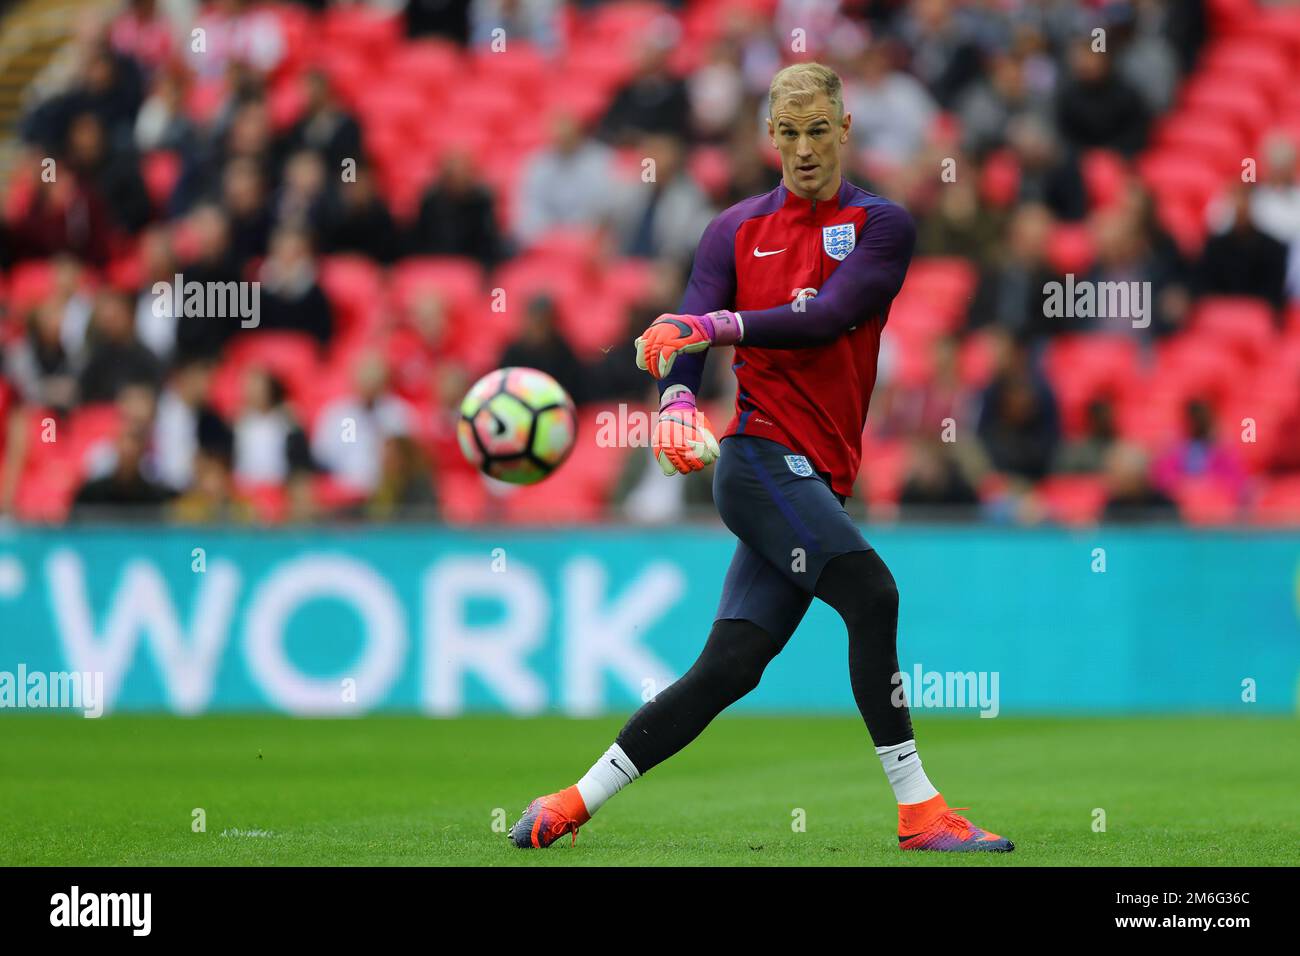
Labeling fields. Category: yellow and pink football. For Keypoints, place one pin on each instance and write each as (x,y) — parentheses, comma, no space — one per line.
(517,425)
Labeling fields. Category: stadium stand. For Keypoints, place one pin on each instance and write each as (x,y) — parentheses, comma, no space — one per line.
(432,147)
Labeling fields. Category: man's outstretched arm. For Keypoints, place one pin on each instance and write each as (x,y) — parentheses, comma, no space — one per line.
(862,287)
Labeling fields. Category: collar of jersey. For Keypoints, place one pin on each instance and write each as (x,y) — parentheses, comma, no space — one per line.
(795,203)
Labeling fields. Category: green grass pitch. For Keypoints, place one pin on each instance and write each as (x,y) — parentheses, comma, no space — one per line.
(408,790)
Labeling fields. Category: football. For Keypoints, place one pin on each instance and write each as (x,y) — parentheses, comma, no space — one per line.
(517,425)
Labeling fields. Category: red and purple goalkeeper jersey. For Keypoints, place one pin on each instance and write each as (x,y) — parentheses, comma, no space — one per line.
(813,281)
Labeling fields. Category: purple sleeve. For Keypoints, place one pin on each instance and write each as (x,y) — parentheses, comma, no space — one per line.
(863,286)
(712,286)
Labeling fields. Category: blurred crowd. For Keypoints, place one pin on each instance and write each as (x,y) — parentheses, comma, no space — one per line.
(1012,96)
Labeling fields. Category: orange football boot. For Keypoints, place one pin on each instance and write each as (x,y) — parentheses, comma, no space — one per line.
(932,825)
(548,818)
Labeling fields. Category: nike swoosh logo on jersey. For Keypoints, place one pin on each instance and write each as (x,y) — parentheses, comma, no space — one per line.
(621,770)
(902,757)
(760,255)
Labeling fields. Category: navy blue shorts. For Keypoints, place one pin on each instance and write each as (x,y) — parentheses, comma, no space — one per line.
(790,523)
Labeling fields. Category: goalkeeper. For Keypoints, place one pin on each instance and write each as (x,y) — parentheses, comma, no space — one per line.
(800,281)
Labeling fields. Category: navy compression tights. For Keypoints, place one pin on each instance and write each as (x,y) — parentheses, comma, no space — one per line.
(860,588)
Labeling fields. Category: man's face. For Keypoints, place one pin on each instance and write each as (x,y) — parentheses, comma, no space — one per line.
(809,135)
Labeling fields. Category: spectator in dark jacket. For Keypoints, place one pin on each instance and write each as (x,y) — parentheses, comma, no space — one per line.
(125,486)
(244,196)
(653,101)
(214,264)
(363,223)
(457,216)
(1096,108)
(325,128)
(116,357)
(115,175)
(110,86)
(541,346)
(292,300)
(1243,260)
(935,479)
(1018,422)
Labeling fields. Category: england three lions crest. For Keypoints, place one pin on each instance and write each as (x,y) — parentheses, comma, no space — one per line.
(838,240)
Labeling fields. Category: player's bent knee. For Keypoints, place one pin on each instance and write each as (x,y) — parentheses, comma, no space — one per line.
(879,588)
(859,586)
(736,655)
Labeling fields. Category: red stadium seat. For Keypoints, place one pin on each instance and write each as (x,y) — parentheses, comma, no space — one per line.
(356,26)
(1000,179)
(354,286)
(1264,62)
(1278,502)
(89,426)
(463,497)
(292,357)
(1105,176)
(579,490)
(1204,501)
(1212,137)
(459,280)
(1171,175)
(624,24)
(1237,99)
(30,283)
(161,170)
(1073,499)
(349,72)
(1185,223)
(884,466)
(1082,367)
(629,280)
(945,281)
(430,65)
(1191,365)
(593,323)
(330,494)
(1250,20)
(1070,248)
(522,279)
(710,167)
(514,70)
(269,502)
(976,359)
(125,271)
(570,249)
(204,99)
(287,102)
(55,462)
(1244,325)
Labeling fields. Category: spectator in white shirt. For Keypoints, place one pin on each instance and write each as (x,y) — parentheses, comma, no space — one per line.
(349,433)
(270,445)
(570,183)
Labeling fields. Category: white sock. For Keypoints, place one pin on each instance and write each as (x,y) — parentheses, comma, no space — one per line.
(906,775)
(607,776)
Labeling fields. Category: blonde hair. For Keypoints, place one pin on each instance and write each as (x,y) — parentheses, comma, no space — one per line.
(803,81)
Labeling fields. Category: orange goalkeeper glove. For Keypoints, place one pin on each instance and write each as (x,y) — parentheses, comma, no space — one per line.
(683,438)
(670,335)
